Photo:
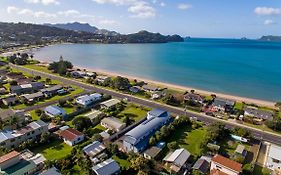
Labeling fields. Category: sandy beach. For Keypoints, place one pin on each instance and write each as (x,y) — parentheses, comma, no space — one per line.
(184,88)
(247,100)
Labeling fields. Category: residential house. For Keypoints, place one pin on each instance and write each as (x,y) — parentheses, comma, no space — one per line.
(194,98)
(259,115)
(240,151)
(223,105)
(176,160)
(21,81)
(137,139)
(108,167)
(32,131)
(27,88)
(102,79)
(3,90)
(11,100)
(220,164)
(51,91)
(113,123)
(152,153)
(51,171)
(31,98)
(87,100)
(80,74)
(14,76)
(71,136)
(94,149)
(135,89)
(8,114)
(150,88)
(54,111)
(109,103)
(94,114)
(25,163)
(273,158)
(202,165)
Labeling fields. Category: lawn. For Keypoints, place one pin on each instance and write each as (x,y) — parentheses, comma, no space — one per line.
(34,116)
(55,150)
(135,112)
(261,171)
(122,162)
(239,106)
(189,139)
(39,68)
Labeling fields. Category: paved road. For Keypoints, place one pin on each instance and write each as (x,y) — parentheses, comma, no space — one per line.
(257,133)
(42,105)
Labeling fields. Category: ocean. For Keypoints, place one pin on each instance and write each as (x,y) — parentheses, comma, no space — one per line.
(244,68)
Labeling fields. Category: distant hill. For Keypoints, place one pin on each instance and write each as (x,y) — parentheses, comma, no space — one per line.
(270,38)
(19,34)
(83,27)
(148,37)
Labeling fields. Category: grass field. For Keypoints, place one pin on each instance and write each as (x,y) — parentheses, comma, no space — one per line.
(53,151)
(135,112)
(122,162)
(189,139)
(34,116)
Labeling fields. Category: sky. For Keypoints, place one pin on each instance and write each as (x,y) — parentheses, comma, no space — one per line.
(195,18)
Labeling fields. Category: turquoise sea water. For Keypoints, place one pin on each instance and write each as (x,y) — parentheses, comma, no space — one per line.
(238,67)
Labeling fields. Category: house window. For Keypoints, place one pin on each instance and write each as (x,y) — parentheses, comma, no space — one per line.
(218,167)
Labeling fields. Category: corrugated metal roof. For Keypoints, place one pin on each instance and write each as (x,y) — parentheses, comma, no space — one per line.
(107,167)
(178,157)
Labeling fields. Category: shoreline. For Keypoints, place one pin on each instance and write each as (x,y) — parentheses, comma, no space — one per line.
(171,86)
(258,102)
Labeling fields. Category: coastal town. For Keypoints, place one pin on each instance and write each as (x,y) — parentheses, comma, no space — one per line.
(59,119)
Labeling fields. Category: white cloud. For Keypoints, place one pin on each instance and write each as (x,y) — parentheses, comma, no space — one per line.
(138,8)
(29,12)
(12,9)
(44,2)
(162,4)
(267,11)
(116,2)
(68,13)
(142,10)
(108,22)
(269,22)
(184,6)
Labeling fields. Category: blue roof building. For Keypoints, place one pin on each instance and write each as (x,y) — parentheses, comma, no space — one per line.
(54,111)
(108,167)
(137,139)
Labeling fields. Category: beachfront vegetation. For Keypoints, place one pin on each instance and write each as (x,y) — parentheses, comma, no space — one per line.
(60,67)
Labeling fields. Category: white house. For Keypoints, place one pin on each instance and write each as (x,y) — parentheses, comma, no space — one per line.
(274,157)
(71,136)
(87,100)
(54,111)
(108,167)
(113,123)
(224,165)
(177,159)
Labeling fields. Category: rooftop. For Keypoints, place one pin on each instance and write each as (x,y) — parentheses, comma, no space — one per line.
(110,102)
(94,149)
(275,152)
(227,163)
(113,122)
(178,157)
(266,115)
(54,110)
(9,156)
(70,134)
(107,167)
(223,102)
(153,151)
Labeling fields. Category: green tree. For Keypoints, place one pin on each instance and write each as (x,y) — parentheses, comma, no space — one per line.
(48,81)
(81,123)
(140,164)
(172,145)
(62,103)
(152,141)
(242,132)
(121,83)
(113,149)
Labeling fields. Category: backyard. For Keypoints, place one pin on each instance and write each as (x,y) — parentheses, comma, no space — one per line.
(54,150)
